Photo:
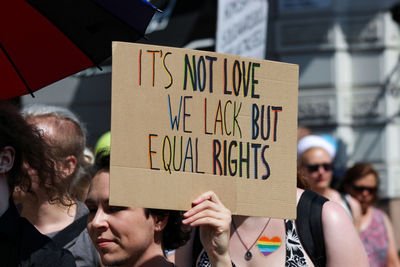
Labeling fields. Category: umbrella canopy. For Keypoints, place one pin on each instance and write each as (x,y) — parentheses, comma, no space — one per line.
(183,23)
(43,41)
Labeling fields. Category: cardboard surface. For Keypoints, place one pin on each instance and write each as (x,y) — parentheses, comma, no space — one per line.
(184,122)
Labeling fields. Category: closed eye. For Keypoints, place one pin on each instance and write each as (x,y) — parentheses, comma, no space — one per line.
(92,207)
(112,209)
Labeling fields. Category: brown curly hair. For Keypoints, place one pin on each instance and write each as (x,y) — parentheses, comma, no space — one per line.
(175,234)
(30,150)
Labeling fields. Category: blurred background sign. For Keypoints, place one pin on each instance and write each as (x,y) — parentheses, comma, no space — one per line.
(291,5)
(242,27)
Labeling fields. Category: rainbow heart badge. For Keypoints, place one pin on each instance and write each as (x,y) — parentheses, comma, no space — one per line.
(267,246)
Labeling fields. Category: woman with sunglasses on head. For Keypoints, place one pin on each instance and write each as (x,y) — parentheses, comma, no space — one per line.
(315,161)
(361,181)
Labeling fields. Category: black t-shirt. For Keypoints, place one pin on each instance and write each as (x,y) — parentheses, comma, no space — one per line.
(22,245)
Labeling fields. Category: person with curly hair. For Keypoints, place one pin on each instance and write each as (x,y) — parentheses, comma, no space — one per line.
(64,222)
(131,236)
(309,240)
(21,244)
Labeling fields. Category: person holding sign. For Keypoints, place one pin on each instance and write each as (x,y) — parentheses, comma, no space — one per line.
(197,119)
(128,236)
(259,241)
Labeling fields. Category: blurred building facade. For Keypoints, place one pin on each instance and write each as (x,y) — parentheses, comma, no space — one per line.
(348,52)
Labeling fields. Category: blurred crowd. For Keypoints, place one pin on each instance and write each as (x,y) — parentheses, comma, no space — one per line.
(357,192)
(55,211)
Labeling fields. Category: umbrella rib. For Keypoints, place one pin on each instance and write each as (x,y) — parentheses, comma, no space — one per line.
(16,69)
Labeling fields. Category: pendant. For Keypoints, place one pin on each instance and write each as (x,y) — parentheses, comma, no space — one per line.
(248,256)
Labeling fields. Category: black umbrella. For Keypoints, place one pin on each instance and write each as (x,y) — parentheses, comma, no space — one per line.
(43,41)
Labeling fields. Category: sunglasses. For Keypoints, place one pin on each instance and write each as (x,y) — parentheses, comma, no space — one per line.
(315,167)
(370,189)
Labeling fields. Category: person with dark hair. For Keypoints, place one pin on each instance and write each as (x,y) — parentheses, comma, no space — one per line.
(129,236)
(64,222)
(20,145)
(362,182)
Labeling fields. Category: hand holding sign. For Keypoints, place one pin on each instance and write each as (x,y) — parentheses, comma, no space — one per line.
(214,220)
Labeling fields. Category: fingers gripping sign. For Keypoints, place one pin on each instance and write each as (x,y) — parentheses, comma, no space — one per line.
(214,220)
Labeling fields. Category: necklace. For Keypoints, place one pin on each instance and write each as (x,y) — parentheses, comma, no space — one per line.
(248,255)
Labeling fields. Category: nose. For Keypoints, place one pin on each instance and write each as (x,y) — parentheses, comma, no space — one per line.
(365,192)
(99,221)
(321,169)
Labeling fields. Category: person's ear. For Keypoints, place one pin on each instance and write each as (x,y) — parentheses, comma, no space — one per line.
(7,155)
(160,221)
(69,166)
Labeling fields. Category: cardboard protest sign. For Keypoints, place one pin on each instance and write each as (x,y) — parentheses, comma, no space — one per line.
(184,122)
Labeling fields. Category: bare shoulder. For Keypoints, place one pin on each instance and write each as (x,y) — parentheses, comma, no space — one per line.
(339,229)
(333,213)
(353,202)
(331,210)
(356,209)
(299,192)
(386,219)
(384,215)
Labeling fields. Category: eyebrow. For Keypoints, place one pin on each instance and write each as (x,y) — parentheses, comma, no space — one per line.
(92,201)
(89,200)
